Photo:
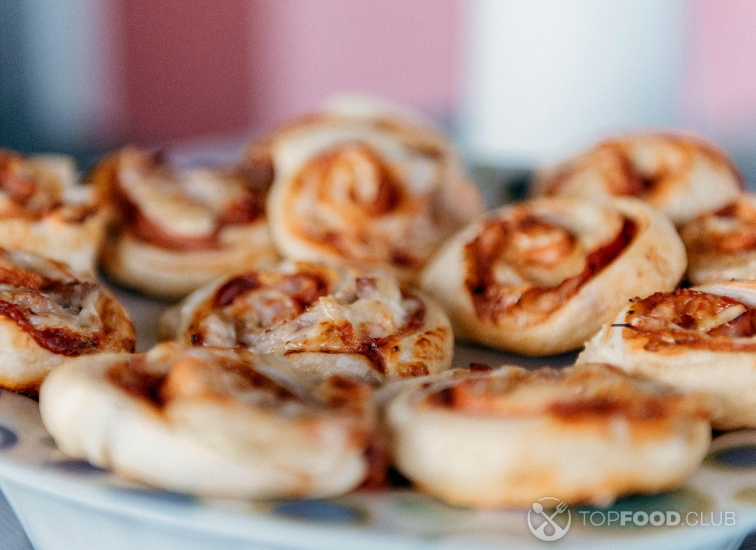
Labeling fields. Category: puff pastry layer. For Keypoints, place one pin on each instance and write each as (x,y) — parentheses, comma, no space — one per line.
(682,176)
(721,245)
(324,320)
(49,315)
(175,230)
(214,423)
(700,339)
(43,210)
(505,438)
(542,276)
(359,184)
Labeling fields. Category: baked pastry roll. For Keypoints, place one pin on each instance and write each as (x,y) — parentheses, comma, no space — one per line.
(698,339)
(682,176)
(213,423)
(358,185)
(721,245)
(43,210)
(505,438)
(324,320)
(543,276)
(49,315)
(175,230)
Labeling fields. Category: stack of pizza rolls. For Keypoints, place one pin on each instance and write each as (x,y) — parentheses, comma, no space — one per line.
(43,210)
(324,279)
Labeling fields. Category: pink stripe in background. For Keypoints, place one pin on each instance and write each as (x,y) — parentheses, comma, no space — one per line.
(303,51)
(720,83)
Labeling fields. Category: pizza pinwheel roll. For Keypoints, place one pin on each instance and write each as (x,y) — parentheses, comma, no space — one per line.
(506,437)
(213,423)
(721,245)
(357,185)
(43,210)
(49,315)
(324,320)
(698,339)
(682,176)
(542,276)
(175,230)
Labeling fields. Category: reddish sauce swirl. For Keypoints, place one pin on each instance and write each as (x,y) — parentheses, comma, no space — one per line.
(669,321)
(498,239)
(243,210)
(35,291)
(303,289)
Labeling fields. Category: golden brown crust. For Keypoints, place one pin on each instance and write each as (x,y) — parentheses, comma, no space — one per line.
(504,437)
(721,245)
(212,422)
(541,277)
(372,191)
(680,175)
(171,230)
(322,316)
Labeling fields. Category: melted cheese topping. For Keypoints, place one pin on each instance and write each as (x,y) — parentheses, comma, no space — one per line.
(62,313)
(310,308)
(691,318)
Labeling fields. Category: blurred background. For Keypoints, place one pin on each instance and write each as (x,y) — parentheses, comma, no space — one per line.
(517,82)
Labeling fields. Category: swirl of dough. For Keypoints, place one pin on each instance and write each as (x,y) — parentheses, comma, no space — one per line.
(216,423)
(542,276)
(682,176)
(506,437)
(357,186)
(48,315)
(700,339)
(721,245)
(44,211)
(325,320)
(175,230)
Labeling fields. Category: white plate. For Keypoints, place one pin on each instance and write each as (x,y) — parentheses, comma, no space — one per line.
(66,504)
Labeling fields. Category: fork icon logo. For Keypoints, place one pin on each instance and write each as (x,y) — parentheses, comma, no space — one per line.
(548,529)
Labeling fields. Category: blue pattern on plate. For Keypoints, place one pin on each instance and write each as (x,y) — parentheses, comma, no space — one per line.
(7,438)
(158,494)
(739,457)
(74,466)
(319,510)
